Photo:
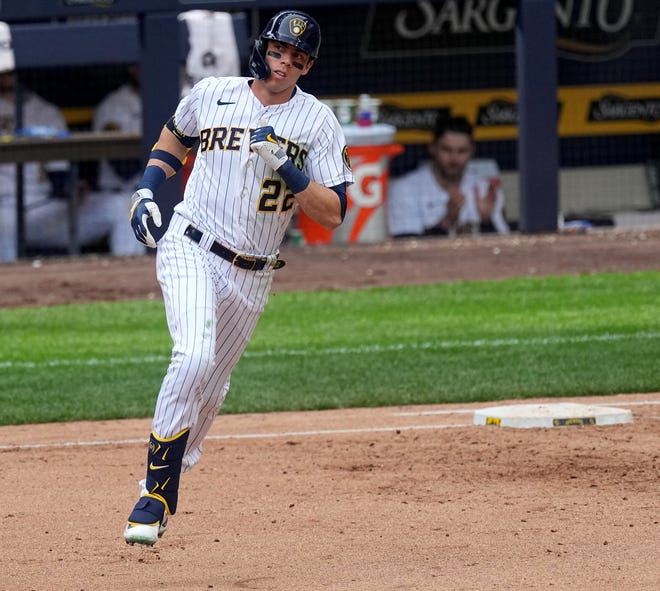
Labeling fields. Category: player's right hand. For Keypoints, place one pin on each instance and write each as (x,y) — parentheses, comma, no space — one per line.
(144,207)
(263,141)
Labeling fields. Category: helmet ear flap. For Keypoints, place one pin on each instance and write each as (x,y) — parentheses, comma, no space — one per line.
(258,66)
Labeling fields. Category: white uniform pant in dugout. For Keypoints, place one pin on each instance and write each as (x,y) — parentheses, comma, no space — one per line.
(100,215)
(212,308)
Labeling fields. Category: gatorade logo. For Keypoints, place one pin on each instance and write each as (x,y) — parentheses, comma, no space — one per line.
(368,188)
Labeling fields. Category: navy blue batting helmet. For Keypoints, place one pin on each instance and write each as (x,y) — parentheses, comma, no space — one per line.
(289,26)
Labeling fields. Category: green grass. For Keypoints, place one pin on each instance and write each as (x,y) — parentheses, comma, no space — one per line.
(458,342)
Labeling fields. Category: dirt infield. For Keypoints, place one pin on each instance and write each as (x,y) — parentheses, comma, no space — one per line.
(343,500)
(365,499)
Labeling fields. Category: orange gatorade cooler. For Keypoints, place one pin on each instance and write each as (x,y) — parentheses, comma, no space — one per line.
(370,149)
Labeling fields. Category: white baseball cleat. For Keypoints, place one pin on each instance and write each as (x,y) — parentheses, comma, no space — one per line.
(146,523)
(146,534)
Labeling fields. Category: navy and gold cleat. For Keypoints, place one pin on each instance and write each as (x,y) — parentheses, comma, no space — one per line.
(146,523)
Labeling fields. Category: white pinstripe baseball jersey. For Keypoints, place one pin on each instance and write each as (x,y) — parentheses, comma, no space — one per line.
(231,192)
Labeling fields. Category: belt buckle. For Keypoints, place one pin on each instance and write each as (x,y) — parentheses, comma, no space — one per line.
(248,259)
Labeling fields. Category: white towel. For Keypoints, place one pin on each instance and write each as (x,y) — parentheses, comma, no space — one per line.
(7,63)
(213,49)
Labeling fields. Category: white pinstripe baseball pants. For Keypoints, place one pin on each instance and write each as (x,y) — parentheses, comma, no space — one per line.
(212,309)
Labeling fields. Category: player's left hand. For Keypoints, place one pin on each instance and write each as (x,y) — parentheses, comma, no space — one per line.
(264,142)
(144,207)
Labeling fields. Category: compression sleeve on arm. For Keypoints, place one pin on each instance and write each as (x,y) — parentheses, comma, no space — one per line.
(341,193)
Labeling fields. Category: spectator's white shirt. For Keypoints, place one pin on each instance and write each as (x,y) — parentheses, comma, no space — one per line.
(417,202)
(36,112)
(121,110)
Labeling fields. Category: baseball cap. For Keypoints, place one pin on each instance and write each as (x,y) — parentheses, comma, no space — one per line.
(7,63)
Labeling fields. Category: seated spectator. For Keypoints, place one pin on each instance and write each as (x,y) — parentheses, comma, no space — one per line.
(121,110)
(448,194)
(46,190)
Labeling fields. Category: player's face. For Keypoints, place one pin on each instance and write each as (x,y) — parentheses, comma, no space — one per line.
(287,64)
(452,152)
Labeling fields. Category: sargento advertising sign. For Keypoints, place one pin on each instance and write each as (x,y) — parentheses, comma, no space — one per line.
(582,111)
(586,29)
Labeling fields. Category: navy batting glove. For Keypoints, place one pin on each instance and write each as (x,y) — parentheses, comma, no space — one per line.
(144,207)
(263,134)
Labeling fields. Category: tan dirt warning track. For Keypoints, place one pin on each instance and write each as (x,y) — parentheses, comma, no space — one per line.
(364,499)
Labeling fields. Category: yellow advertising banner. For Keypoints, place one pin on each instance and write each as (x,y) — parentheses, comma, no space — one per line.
(583,111)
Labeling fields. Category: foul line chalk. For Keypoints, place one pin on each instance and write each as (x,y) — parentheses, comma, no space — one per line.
(235,436)
(66,444)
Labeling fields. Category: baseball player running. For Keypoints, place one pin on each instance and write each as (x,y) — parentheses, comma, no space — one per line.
(265,148)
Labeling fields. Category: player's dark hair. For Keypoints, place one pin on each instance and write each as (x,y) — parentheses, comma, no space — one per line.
(456,124)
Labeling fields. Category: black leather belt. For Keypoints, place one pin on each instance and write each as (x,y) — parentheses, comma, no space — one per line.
(243,261)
